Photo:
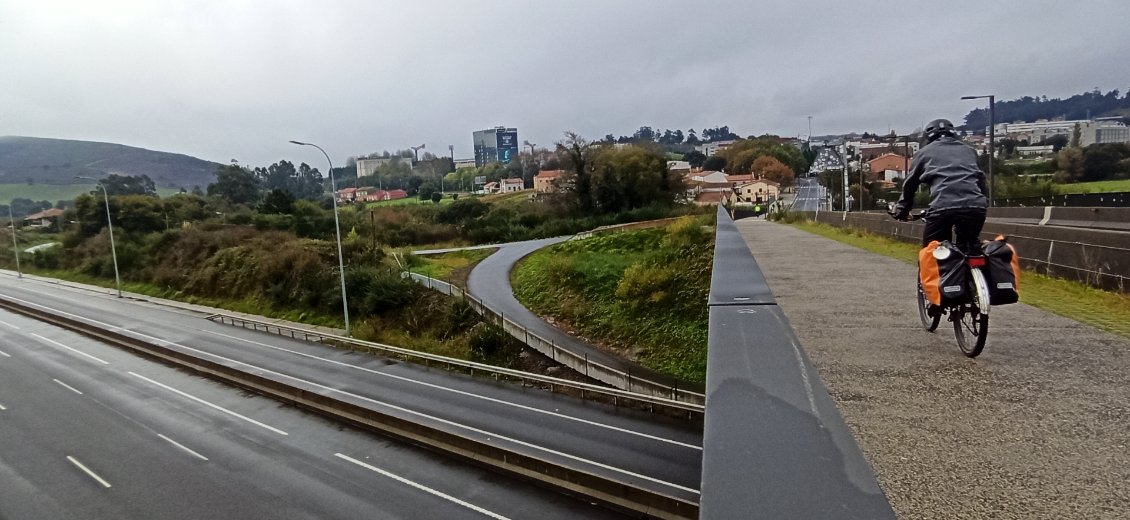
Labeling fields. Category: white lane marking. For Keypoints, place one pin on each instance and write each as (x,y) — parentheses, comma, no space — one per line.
(183,447)
(363,398)
(92,474)
(79,352)
(422,487)
(487,434)
(461,392)
(68,387)
(5,354)
(206,403)
(2,322)
(2,408)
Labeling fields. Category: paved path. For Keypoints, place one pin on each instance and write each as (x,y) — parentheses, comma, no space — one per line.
(1037,427)
(490,282)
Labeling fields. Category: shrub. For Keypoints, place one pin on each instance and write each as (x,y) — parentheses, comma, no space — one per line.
(644,286)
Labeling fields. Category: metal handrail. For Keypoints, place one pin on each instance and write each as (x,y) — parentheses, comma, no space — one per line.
(556,352)
(585,389)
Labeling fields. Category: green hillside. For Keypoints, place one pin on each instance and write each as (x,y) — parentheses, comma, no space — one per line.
(31,161)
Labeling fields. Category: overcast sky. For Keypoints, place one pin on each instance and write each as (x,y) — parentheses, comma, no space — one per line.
(224,80)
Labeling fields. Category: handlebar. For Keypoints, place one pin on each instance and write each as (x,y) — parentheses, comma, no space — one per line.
(917,215)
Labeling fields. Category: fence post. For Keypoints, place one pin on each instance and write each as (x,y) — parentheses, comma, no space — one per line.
(586,364)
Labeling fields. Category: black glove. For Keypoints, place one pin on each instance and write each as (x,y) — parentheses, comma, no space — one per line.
(900,213)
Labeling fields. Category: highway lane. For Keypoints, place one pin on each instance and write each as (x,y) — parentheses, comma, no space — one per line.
(809,194)
(649,451)
(89,431)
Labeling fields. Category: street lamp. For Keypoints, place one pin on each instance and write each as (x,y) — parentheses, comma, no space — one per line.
(337,231)
(109,224)
(992,134)
(15,248)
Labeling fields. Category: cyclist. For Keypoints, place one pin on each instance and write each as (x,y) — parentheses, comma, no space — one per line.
(957,187)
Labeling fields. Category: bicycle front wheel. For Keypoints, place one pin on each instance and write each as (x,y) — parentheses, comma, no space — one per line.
(930,323)
(970,328)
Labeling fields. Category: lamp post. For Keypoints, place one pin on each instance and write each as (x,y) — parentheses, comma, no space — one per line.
(337,231)
(15,248)
(110,225)
(992,135)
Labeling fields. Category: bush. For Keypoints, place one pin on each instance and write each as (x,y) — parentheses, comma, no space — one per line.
(644,286)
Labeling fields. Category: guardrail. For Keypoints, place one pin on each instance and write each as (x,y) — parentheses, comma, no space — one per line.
(587,391)
(621,379)
(774,443)
(361,412)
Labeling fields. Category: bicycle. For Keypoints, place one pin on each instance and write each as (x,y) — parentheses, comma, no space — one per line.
(970,317)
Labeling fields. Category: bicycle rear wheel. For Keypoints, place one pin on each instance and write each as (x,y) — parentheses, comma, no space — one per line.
(970,328)
(930,323)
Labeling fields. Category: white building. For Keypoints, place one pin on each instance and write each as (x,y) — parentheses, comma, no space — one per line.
(511,185)
(369,167)
(709,149)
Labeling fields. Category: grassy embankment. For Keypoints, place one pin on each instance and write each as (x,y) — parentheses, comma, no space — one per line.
(1115,186)
(1102,309)
(453,267)
(640,294)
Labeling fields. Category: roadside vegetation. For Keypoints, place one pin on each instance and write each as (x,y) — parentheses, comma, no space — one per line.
(1105,310)
(640,294)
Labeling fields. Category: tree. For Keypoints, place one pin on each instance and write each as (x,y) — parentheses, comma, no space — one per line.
(574,152)
(769,168)
(1057,142)
(632,177)
(645,133)
(692,139)
(714,163)
(235,184)
(129,185)
(695,158)
(1070,165)
(277,201)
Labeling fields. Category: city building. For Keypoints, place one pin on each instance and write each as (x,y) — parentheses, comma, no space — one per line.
(498,144)
(546,181)
(709,149)
(760,190)
(1091,131)
(369,167)
(465,163)
(511,185)
(889,162)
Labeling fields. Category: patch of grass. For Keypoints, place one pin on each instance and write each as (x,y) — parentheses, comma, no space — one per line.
(641,294)
(447,266)
(1096,187)
(1106,310)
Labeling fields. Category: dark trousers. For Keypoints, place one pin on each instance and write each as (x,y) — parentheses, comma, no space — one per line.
(940,225)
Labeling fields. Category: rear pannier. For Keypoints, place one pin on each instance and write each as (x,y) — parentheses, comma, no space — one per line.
(944,278)
(1003,271)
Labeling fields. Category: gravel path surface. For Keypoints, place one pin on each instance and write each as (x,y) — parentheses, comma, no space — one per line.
(1037,427)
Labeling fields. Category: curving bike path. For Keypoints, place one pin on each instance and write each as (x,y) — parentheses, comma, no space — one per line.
(490,282)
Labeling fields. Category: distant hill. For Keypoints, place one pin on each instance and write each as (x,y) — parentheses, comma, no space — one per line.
(1030,109)
(35,160)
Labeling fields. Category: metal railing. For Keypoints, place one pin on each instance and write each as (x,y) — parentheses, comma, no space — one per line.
(621,379)
(588,391)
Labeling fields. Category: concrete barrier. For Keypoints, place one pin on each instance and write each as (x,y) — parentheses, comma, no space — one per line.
(774,445)
(357,411)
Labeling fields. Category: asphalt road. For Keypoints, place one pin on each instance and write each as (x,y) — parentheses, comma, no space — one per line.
(490,282)
(89,431)
(1035,428)
(644,450)
(809,194)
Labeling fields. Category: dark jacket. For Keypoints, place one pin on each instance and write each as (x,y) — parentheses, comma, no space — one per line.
(949,167)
